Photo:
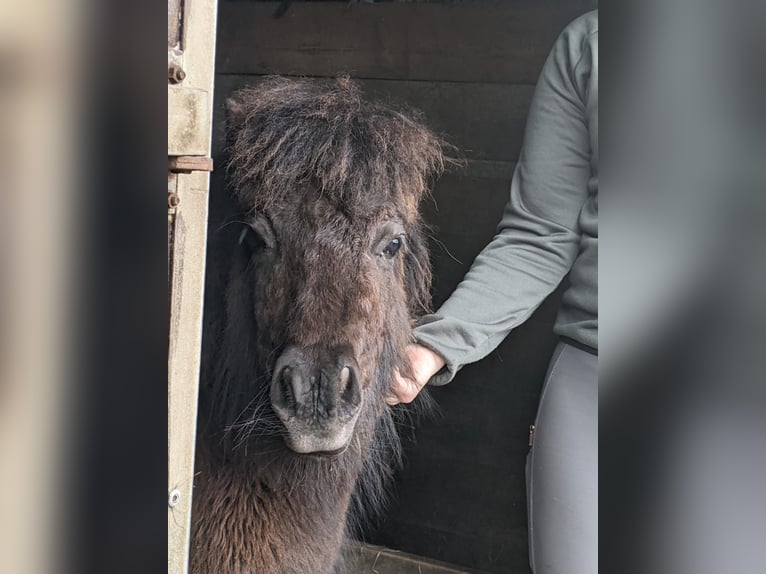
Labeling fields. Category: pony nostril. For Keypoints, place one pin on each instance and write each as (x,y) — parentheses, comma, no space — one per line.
(306,387)
(349,387)
(345,375)
(286,393)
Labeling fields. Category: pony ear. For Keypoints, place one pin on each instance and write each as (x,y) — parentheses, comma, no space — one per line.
(417,272)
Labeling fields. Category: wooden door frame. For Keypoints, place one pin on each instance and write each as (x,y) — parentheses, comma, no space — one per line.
(190,97)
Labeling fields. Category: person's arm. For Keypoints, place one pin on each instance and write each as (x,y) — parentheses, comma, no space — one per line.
(537,239)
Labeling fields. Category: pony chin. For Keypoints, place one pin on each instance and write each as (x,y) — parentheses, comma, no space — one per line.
(305,438)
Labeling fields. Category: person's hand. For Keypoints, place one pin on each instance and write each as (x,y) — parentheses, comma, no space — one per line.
(425,364)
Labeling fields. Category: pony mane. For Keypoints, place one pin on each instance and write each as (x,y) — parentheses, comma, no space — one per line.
(286,133)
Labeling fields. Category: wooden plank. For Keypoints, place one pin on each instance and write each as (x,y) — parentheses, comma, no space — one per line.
(485,121)
(493,552)
(188,121)
(479,42)
(485,169)
(466,205)
(189,133)
(363,558)
(188,274)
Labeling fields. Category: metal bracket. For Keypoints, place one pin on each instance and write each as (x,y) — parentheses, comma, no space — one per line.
(189,163)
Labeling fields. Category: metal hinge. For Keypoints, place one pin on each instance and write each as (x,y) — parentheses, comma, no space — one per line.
(189,163)
(531,435)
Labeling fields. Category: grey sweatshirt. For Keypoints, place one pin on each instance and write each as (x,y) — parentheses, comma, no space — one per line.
(550,225)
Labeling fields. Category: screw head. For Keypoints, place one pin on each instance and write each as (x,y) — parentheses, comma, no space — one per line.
(174,498)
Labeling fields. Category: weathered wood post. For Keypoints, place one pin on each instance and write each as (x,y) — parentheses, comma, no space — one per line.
(191,49)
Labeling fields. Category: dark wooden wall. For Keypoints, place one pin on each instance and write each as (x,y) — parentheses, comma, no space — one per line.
(471,68)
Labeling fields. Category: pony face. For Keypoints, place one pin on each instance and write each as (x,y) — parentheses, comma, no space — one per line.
(328,291)
(330,268)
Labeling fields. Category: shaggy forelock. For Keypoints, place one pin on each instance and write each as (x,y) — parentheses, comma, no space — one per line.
(285,133)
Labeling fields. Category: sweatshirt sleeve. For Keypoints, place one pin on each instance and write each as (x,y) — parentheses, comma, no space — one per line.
(537,239)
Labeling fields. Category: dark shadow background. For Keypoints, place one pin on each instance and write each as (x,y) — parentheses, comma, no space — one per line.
(470,67)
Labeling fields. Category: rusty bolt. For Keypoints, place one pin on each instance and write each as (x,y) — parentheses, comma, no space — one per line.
(176,73)
(173,199)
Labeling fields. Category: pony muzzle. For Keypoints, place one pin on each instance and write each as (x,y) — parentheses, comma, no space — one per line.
(317,395)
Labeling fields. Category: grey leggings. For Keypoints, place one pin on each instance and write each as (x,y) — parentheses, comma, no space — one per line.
(562,468)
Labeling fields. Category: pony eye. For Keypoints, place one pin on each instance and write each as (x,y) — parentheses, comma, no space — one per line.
(393,247)
(258,235)
(252,240)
